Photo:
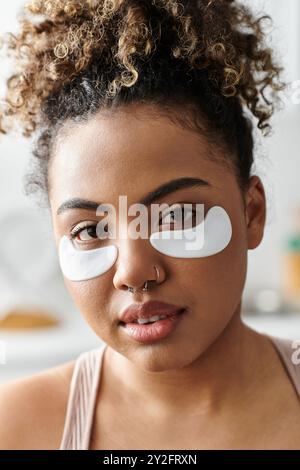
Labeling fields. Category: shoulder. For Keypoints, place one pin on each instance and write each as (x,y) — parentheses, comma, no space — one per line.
(32,409)
(289,349)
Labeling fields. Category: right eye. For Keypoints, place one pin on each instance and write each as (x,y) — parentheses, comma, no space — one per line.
(86,232)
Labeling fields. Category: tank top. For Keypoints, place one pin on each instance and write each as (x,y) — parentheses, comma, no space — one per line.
(86,379)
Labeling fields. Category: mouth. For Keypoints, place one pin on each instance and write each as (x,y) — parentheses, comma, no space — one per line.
(153,319)
(154,328)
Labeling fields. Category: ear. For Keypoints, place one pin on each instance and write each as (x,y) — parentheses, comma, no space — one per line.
(255,212)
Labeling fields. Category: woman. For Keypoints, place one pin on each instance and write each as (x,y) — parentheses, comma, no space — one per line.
(151,100)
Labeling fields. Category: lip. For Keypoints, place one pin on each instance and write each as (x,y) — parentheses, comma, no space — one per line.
(147,310)
(156,331)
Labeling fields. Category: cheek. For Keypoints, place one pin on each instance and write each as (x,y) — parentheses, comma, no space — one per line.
(215,284)
(89,298)
(212,288)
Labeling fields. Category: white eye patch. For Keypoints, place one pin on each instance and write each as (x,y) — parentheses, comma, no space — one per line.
(209,237)
(81,265)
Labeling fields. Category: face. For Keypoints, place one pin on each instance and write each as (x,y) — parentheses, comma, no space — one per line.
(131,154)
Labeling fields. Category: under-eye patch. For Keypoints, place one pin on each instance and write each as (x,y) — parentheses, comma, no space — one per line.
(81,265)
(209,237)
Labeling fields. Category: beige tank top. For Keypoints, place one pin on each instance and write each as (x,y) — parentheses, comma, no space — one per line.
(85,382)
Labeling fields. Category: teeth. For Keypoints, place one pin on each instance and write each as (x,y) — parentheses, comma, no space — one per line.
(150,320)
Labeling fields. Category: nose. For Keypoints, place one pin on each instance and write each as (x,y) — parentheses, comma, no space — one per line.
(137,263)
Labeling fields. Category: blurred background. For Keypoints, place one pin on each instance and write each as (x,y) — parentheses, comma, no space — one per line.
(39,324)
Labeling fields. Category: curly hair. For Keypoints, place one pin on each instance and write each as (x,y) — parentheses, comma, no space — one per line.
(208,58)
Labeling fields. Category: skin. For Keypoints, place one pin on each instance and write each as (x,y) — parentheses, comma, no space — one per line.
(211,383)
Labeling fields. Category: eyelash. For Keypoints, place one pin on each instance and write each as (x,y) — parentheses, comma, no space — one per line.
(79,229)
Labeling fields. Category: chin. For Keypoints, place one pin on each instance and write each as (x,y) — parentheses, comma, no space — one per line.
(152,359)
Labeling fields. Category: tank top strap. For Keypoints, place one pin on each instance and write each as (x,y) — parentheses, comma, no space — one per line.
(81,400)
(289,353)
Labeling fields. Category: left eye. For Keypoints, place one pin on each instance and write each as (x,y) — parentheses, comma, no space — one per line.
(179,215)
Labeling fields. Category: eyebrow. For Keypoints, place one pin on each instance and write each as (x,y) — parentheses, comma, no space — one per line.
(162,191)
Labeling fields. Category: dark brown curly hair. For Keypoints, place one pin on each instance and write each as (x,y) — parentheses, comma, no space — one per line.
(203,63)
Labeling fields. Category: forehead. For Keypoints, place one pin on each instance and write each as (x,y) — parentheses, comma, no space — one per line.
(126,153)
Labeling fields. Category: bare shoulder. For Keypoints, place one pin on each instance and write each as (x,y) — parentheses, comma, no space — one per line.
(32,409)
